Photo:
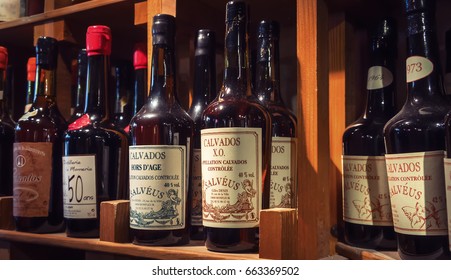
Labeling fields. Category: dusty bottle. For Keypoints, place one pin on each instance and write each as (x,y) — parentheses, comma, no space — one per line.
(367,215)
(236,149)
(159,155)
(415,146)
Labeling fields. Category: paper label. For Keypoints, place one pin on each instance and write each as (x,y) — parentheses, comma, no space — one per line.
(27,115)
(379,77)
(196,184)
(9,10)
(366,197)
(283,172)
(158,187)
(79,187)
(32,179)
(447,167)
(417,192)
(231,177)
(418,67)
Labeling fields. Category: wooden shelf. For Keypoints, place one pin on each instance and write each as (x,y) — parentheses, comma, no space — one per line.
(194,251)
(355,253)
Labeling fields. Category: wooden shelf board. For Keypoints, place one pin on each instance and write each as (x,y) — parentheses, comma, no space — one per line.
(194,250)
(355,253)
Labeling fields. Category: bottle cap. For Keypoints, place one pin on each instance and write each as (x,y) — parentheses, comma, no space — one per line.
(31,69)
(163,30)
(415,6)
(235,11)
(3,57)
(98,40)
(140,56)
(47,52)
(268,29)
(205,42)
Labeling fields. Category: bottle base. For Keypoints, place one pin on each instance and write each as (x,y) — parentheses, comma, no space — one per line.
(160,238)
(36,225)
(440,254)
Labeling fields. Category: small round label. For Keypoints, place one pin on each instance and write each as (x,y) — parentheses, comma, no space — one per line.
(379,77)
(418,67)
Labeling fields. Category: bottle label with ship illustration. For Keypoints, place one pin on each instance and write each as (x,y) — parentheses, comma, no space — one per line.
(231,177)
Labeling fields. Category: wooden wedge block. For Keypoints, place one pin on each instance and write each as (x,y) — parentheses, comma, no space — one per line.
(114,221)
(6,213)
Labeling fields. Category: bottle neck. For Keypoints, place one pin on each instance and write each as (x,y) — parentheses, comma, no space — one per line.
(81,90)
(96,99)
(30,92)
(45,84)
(140,90)
(267,80)
(3,93)
(381,100)
(236,82)
(204,87)
(119,92)
(422,42)
(163,75)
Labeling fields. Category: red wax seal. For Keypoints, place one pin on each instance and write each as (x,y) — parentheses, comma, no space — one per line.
(127,129)
(31,69)
(3,57)
(98,40)
(140,56)
(80,122)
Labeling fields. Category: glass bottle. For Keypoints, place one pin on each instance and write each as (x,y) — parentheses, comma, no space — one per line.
(92,152)
(414,141)
(6,132)
(161,134)
(236,149)
(267,88)
(31,76)
(367,214)
(121,117)
(37,204)
(79,106)
(204,91)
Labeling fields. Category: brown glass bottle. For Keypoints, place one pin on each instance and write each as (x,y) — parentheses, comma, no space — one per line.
(370,224)
(37,204)
(6,132)
(80,89)
(31,76)
(236,149)
(121,115)
(204,91)
(92,153)
(414,140)
(161,142)
(267,89)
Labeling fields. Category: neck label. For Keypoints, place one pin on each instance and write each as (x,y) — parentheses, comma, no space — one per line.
(379,77)
(418,67)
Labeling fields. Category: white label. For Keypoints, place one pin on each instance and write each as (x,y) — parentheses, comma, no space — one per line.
(378,77)
(157,187)
(366,198)
(447,167)
(196,181)
(27,108)
(231,177)
(79,187)
(418,67)
(283,169)
(417,192)
(27,115)
(9,10)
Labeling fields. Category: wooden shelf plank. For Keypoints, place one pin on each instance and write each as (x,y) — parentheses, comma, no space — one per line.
(58,13)
(194,250)
(355,253)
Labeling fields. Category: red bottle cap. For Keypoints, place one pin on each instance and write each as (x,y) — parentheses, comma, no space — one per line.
(140,56)
(98,40)
(3,58)
(31,69)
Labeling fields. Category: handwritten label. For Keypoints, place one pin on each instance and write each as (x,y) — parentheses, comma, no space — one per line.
(79,187)
(378,77)
(418,67)
(417,192)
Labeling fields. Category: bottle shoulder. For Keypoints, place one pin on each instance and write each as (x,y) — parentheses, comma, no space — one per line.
(236,107)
